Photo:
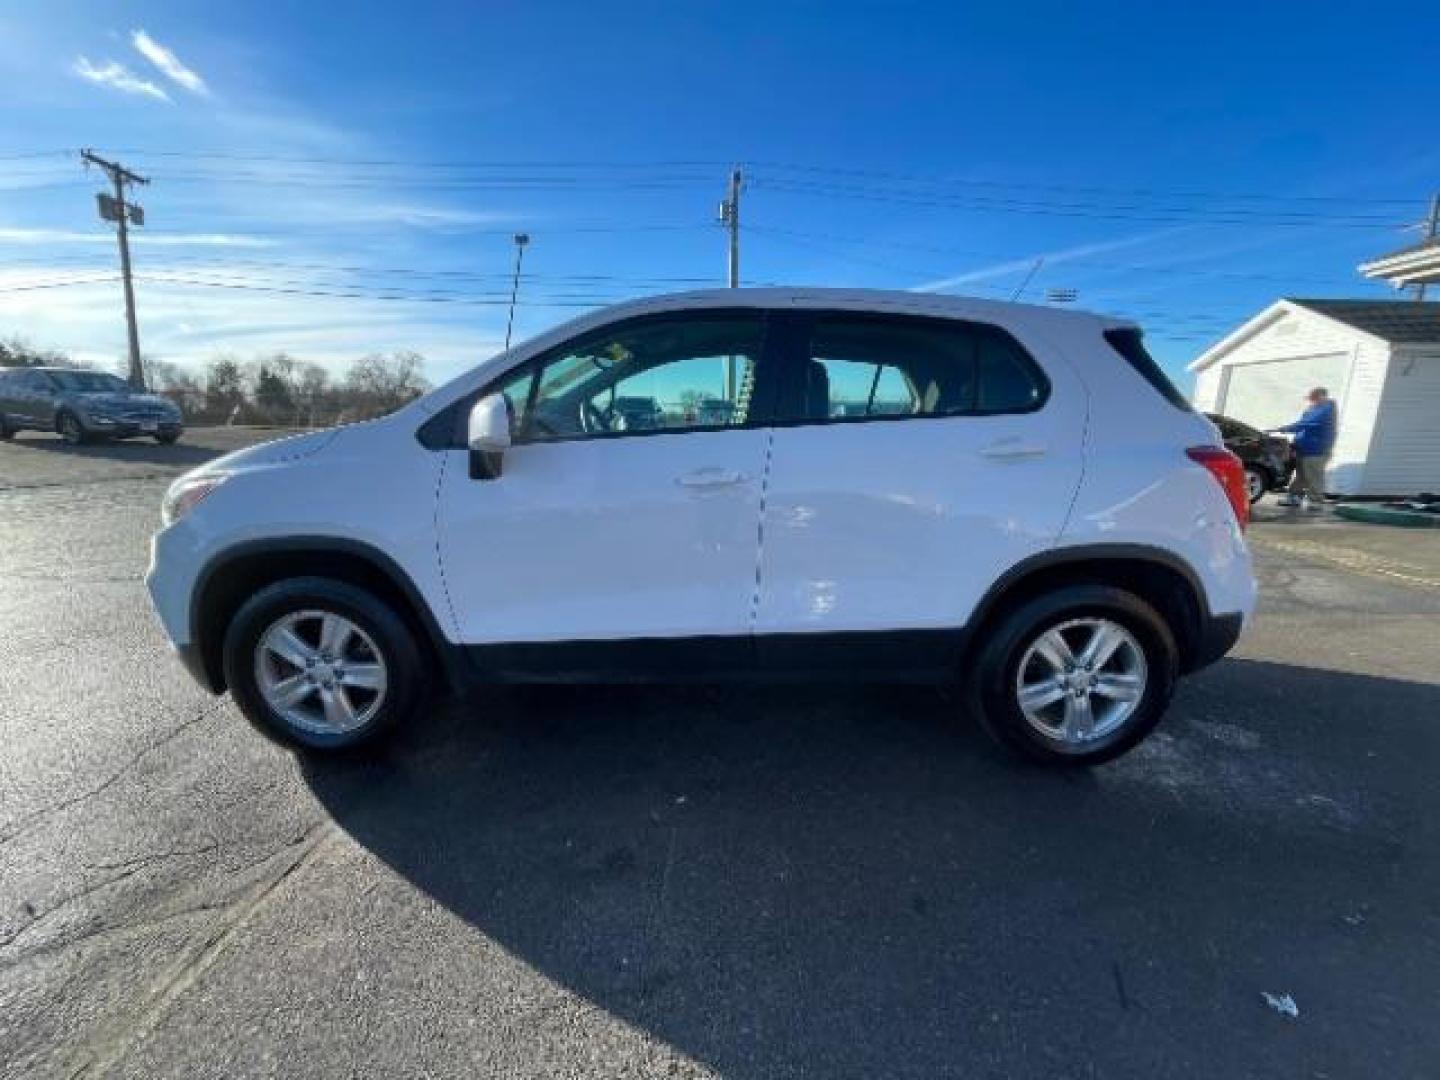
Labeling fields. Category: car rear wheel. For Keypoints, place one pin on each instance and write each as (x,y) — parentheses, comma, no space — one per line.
(71,430)
(321,664)
(1077,676)
(1257,482)
(6,431)
(168,439)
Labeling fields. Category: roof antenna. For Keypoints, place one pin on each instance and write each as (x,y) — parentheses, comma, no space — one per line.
(1028,278)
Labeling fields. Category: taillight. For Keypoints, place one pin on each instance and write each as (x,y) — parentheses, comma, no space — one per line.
(1229,473)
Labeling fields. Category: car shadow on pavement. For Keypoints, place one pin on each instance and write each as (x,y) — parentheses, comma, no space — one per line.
(809,881)
(139,450)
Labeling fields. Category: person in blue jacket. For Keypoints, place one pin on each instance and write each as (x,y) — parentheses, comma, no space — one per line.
(1314,438)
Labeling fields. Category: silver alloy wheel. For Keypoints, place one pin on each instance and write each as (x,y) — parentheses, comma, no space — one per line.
(320,672)
(1080,681)
(70,429)
(1254,484)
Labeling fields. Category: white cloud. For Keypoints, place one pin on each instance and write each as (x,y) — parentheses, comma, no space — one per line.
(1011,266)
(118,77)
(18,235)
(168,63)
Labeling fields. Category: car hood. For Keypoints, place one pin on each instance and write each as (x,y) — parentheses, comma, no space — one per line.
(291,448)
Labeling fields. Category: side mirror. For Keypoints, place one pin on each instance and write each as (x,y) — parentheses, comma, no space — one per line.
(488,436)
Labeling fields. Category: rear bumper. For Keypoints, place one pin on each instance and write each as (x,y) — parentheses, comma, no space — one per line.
(1218,635)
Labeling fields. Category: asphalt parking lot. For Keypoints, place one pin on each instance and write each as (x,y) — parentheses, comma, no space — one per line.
(739,882)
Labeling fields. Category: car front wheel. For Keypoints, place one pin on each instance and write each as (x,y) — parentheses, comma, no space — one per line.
(322,664)
(71,430)
(1257,482)
(1076,676)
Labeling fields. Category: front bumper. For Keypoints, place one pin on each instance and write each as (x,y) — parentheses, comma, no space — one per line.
(129,429)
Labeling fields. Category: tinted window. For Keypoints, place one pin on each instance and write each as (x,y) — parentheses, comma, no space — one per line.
(669,375)
(1008,379)
(89,382)
(864,367)
(1130,345)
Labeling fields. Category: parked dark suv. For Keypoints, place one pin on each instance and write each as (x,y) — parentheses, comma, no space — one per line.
(1269,461)
(82,405)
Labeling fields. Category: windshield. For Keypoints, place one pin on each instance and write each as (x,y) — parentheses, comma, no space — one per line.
(89,382)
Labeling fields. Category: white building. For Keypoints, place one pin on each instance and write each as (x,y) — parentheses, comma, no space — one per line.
(1380,360)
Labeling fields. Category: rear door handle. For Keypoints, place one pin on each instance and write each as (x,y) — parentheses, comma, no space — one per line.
(702,479)
(1013,448)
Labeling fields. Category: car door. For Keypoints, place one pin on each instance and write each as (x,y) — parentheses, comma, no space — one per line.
(45,400)
(914,461)
(606,525)
(9,387)
(31,400)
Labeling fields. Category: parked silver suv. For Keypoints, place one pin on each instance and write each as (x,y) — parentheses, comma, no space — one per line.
(82,405)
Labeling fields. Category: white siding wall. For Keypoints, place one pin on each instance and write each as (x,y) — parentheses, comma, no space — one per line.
(1207,389)
(1300,333)
(1359,402)
(1405,454)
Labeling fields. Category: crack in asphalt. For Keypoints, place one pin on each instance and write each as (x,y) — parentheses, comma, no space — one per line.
(40,917)
(17,827)
(103,1052)
(42,485)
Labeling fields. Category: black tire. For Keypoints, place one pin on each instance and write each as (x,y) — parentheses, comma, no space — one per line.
(169,439)
(6,431)
(1257,483)
(392,638)
(993,678)
(71,429)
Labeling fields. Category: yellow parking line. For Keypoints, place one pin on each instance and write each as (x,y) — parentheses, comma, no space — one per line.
(1358,562)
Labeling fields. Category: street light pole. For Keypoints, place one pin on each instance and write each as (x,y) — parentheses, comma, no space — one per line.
(521,239)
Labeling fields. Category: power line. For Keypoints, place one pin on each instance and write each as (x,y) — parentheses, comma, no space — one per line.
(58,284)
(913,178)
(1132,212)
(935,180)
(435,298)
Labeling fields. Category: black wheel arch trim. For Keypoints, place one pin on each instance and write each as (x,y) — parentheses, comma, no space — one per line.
(1199,651)
(452,664)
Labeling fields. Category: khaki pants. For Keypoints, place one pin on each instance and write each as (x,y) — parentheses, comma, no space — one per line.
(1309,478)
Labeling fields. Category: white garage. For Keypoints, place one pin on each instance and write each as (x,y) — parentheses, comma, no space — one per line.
(1380,360)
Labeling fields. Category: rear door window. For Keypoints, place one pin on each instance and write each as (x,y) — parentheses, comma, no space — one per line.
(867,367)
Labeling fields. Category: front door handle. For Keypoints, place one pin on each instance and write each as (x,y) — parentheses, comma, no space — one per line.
(1013,448)
(702,479)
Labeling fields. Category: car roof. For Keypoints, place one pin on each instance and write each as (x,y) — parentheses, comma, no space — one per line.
(1003,312)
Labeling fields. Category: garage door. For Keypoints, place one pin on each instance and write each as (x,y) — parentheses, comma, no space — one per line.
(1272,393)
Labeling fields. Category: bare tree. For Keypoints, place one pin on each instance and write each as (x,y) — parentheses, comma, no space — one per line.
(17,352)
(381,384)
(224,387)
(312,387)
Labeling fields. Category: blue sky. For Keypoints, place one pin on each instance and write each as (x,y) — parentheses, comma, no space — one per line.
(336,179)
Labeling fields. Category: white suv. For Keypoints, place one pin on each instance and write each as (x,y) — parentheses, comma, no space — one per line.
(738,483)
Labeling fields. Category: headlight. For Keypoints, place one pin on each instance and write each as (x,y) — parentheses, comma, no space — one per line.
(186,492)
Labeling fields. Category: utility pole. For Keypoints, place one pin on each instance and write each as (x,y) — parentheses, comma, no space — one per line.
(521,239)
(1432,228)
(118,210)
(730,218)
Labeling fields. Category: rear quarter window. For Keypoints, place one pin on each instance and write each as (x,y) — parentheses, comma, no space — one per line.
(1130,344)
